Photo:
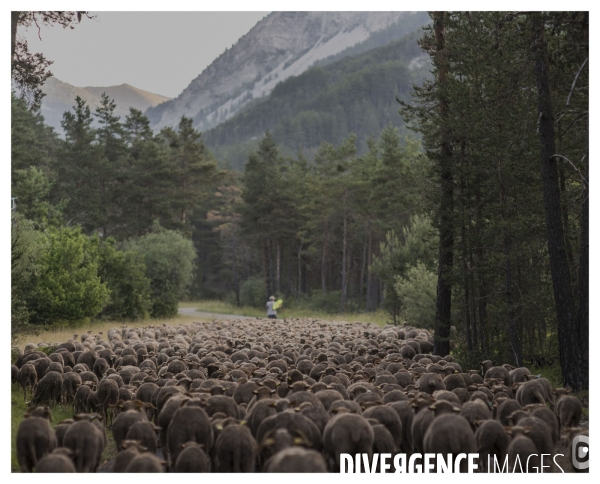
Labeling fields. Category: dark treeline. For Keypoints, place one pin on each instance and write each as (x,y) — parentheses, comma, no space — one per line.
(479,233)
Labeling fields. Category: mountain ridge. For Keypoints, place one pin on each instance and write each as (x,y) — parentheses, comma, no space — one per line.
(281,45)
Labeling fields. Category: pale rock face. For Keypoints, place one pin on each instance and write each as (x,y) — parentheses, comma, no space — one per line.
(281,45)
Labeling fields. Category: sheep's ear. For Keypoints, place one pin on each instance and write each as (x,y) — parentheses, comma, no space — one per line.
(274,391)
(268,442)
(508,430)
(255,392)
(433,406)
(457,409)
(527,429)
(478,423)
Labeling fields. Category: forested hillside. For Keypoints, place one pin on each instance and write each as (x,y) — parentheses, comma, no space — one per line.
(476,226)
(353,95)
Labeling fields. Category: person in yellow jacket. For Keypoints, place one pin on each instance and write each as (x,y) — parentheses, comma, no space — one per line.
(271,312)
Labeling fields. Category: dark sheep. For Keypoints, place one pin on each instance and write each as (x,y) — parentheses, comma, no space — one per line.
(506,409)
(347,433)
(122,424)
(35,438)
(145,462)
(192,458)
(387,417)
(453,381)
(531,392)
(145,433)
(569,411)
(235,450)
(522,453)
(291,420)
(41,366)
(70,384)
(492,441)
(498,372)
(130,450)
(27,378)
(189,423)
(48,389)
(450,434)
(86,442)
(430,382)
(475,412)
(61,429)
(296,459)
(57,461)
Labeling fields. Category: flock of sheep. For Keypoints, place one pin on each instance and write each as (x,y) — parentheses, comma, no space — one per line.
(279,396)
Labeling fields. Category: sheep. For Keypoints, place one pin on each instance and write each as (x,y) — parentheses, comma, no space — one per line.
(347,433)
(388,417)
(35,438)
(145,462)
(530,392)
(189,423)
(145,433)
(235,450)
(450,434)
(505,409)
(27,378)
(86,442)
(70,383)
(296,459)
(492,441)
(48,389)
(57,461)
(522,452)
(129,450)
(474,412)
(192,458)
(568,410)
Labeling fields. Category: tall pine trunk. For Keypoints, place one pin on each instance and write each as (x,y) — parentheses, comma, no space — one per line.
(443,308)
(573,365)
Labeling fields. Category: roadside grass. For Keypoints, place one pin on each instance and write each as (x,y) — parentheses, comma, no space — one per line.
(220,307)
(60,334)
(59,413)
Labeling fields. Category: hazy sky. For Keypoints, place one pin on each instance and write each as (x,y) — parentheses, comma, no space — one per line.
(160,52)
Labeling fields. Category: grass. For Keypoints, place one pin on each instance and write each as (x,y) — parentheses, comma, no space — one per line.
(59,413)
(220,307)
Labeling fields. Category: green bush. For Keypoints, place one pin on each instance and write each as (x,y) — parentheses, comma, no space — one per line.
(124,275)
(253,292)
(417,292)
(169,260)
(68,287)
(26,251)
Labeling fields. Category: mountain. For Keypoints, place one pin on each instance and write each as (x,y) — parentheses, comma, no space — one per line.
(356,94)
(60,97)
(282,45)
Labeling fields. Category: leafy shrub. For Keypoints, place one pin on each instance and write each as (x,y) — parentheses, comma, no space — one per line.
(253,292)
(68,287)
(124,275)
(417,292)
(169,260)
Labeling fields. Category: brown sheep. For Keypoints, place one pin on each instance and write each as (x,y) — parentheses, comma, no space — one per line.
(189,423)
(530,392)
(492,441)
(235,450)
(57,461)
(192,458)
(35,438)
(450,434)
(296,459)
(388,417)
(130,450)
(48,389)
(522,452)
(27,378)
(347,433)
(568,410)
(145,462)
(145,433)
(475,412)
(506,409)
(86,442)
